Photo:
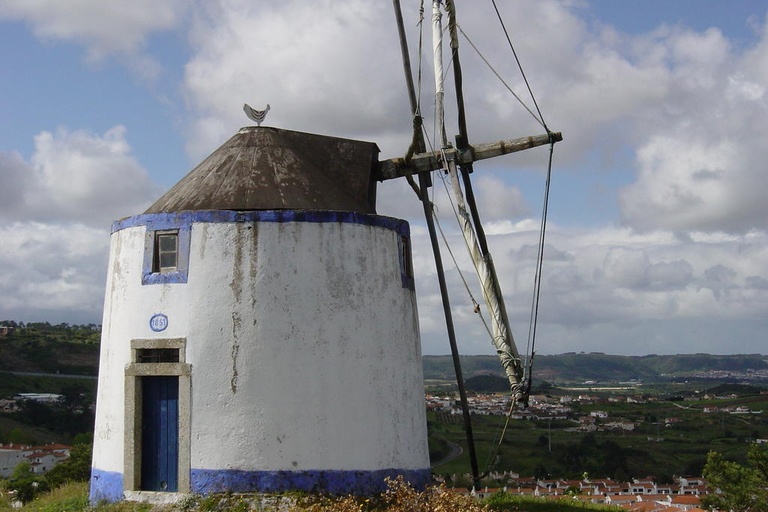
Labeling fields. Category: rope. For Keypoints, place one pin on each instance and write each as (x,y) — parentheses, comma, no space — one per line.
(492,458)
(531,348)
(537,118)
(498,14)
(475,304)
(421,50)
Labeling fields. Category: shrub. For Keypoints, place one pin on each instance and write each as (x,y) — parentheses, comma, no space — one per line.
(740,488)
(25,483)
(76,468)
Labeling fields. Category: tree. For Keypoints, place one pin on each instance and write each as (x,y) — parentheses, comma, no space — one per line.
(735,487)
(25,483)
(18,436)
(76,468)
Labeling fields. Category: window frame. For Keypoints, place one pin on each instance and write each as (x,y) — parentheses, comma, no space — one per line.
(405,260)
(152,273)
(159,251)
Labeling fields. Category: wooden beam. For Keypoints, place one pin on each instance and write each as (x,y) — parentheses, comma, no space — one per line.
(396,168)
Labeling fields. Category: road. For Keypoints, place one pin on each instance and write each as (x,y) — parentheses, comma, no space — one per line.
(455,452)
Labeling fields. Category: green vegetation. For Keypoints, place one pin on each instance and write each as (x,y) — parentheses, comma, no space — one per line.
(399,498)
(87,333)
(743,487)
(11,384)
(28,485)
(486,384)
(36,422)
(599,367)
(45,348)
(530,448)
(51,350)
(76,468)
(655,447)
(509,501)
(25,483)
(68,498)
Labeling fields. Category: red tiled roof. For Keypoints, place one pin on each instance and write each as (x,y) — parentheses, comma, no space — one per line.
(51,447)
(685,499)
(37,454)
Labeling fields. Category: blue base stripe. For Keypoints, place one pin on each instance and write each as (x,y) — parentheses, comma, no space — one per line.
(105,486)
(330,481)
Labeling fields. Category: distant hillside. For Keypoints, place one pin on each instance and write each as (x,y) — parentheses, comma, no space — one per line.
(573,367)
(700,362)
(74,349)
(45,348)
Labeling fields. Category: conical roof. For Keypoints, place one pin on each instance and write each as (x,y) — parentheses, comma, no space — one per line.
(264,168)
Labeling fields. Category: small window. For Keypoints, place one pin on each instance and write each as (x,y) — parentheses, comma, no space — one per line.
(406,264)
(157,355)
(166,254)
(166,251)
(405,257)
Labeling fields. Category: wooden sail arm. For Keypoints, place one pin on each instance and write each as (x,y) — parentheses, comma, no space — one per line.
(396,167)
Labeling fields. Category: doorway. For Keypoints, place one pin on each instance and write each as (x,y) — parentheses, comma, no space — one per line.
(160,434)
(157,417)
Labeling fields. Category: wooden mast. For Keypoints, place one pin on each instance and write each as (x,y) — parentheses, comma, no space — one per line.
(424,183)
(448,159)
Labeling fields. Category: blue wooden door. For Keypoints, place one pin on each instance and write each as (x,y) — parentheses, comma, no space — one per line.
(160,434)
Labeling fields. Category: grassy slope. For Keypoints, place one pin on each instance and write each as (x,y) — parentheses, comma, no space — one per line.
(684,445)
(74,498)
(11,384)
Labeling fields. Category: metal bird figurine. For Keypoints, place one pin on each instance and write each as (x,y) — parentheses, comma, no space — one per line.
(255,115)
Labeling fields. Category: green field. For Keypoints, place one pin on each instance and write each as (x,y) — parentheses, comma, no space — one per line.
(652,449)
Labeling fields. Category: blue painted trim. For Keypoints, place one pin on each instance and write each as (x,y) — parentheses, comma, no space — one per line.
(182,220)
(105,486)
(363,483)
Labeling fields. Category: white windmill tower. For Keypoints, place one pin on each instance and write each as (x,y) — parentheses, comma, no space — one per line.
(260,330)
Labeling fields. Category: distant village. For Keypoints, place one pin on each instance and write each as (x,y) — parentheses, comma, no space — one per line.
(40,458)
(12,404)
(640,495)
(548,408)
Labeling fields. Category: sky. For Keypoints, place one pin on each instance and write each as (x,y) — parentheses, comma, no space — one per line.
(657,238)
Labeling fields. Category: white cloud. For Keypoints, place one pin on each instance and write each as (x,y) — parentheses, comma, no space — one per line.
(76,176)
(651,284)
(52,272)
(698,166)
(499,200)
(678,107)
(56,215)
(325,67)
(103,26)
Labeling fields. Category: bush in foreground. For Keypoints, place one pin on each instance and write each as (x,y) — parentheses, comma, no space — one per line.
(400,497)
(736,487)
(516,502)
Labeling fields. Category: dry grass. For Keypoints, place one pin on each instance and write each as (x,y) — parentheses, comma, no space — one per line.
(67,498)
(400,497)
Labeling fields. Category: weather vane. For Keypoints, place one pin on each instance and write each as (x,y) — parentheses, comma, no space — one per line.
(255,115)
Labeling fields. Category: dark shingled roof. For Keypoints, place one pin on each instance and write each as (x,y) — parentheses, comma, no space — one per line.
(264,168)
